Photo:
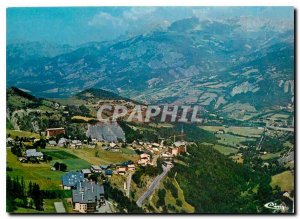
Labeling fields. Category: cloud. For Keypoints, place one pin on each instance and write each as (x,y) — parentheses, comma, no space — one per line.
(131,20)
(114,22)
(138,13)
(104,19)
(130,16)
(249,18)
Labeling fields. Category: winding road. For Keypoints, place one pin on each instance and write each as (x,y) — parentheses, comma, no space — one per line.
(153,186)
(128,184)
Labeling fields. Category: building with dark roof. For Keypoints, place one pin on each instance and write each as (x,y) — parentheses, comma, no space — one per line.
(70,180)
(104,167)
(86,172)
(96,169)
(54,131)
(33,153)
(108,172)
(87,197)
(178,147)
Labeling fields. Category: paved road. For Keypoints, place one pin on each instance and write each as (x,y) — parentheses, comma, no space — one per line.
(128,184)
(153,186)
(59,207)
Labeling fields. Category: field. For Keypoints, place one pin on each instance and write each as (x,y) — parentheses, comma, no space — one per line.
(105,157)
(243,131)
(237,158)
(75,159)
(270,156)
(69,101)
(82,118)
(225,150)
(48,208)
(233,136)
(14,133)
(284,180)
(232,140)
(280,116)
(38,173)
(73,162)
(161,125)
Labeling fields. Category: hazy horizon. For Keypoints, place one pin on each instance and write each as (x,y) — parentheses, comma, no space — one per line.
(78,25)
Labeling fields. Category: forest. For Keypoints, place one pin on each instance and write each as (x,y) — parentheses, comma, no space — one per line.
(212,183)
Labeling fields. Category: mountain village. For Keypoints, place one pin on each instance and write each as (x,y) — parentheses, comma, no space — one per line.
(88,192)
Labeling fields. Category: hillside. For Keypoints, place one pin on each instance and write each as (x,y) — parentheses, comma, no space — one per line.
(212,183)
(29,113)
(210,63)
(94,93)
(18,99)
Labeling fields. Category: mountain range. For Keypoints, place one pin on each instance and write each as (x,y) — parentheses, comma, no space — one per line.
(219,65)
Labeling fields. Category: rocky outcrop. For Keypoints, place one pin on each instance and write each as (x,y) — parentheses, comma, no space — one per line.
(110,132)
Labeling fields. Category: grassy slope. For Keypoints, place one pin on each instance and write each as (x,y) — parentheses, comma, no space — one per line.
(270,156)
(48,208)
(38,173)
(245,131)
(73,162)
(225,150)
(14,133)
(232,140)
(105,157)
(284,180)
(75,159)
(169,199)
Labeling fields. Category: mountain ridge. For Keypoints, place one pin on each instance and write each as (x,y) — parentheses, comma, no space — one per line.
(209,68)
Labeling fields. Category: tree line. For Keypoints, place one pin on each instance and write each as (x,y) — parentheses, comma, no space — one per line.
(18,194)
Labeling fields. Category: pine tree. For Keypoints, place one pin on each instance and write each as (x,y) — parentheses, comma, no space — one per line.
(37,197)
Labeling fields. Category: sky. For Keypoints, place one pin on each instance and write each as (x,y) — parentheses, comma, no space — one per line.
(77,25)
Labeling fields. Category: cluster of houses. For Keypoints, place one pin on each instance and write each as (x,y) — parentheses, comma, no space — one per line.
(63,142)
(87,195)
(109,170)
(31,153)
(112,146)
(144,160)
(73,144)
(125,167)
(10,141)
(149,147)
(178,147)
(101,169)
(167,153)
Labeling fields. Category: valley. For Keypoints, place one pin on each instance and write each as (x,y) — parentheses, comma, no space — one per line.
(157,110)
(239,149)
